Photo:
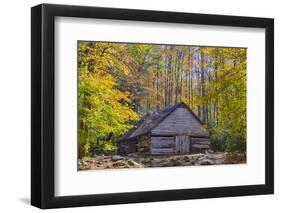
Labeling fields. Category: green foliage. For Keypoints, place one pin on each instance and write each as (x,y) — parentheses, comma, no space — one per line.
(229,92)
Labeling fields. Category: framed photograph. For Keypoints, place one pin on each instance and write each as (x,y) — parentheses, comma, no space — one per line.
(139,106)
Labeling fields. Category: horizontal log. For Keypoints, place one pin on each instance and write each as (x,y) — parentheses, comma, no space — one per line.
(160,146)
(158,141)
(198,146)
(161,151)
(161,138)
(202,141)
(162,142)
(170,134)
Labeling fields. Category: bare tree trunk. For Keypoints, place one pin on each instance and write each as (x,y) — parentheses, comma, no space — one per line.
(166,82)
(181,77)
(176,76)
(187,71)
(147,97)
(170,79)
(190,85)
(157,86)
(203,85)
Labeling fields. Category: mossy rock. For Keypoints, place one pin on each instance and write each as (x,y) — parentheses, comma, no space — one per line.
(131,163)
(119,164)
(186,158)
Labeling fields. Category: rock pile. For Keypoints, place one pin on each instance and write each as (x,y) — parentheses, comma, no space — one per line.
(136,160)
(182,160)
(108,162)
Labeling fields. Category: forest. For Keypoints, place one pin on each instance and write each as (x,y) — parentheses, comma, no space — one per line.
(121,82)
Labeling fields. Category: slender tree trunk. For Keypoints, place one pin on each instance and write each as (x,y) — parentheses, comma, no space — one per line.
(176,76)
(202,63)
(181,76)
(157,86)
(170,80)
(190,85)
(187,72)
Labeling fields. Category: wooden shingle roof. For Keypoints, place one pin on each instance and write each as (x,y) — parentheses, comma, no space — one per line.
(148,122)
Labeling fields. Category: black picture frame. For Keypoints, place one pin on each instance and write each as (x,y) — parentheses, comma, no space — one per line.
(43,102)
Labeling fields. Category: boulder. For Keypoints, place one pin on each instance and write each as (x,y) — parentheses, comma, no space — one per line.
(205,162)
(88,159)
(178,163)
(116,158)
(131,162)
(84,163)
(186,159)
(119,163)
(168,164)
(135,154)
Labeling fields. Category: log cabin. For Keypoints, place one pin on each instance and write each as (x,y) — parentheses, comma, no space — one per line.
(173,130)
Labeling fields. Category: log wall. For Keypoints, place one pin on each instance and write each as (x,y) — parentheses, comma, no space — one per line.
(162,145)
(126,147)
(200,143)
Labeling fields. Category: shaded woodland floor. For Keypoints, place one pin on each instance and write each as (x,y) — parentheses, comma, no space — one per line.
(135,160)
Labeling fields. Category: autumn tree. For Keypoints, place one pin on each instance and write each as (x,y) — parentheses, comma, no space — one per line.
(104,114)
